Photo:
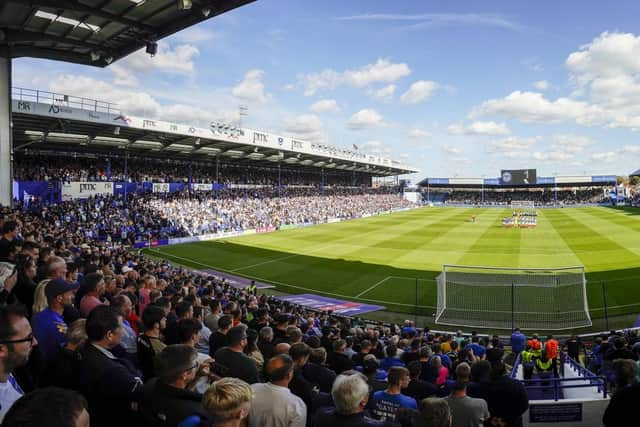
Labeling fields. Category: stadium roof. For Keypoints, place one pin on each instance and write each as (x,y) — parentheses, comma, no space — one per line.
(97,32)
(636,173)
(46,121)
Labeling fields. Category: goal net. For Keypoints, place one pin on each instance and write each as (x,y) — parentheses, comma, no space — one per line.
(504,298)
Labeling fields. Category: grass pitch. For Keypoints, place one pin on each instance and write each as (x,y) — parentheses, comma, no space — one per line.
(380,259)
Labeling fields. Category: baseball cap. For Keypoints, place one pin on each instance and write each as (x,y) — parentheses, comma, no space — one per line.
(126,269)
(57,287)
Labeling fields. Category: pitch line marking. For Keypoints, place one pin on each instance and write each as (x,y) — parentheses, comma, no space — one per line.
(372,287)
(347,296)
(286,284)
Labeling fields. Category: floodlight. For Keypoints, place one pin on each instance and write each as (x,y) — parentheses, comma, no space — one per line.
(152,48)
(185,4)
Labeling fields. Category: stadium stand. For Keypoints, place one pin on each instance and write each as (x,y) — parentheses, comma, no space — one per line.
(53,261)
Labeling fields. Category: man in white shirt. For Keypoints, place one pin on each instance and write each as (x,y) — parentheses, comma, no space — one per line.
(273,404)
(16,342)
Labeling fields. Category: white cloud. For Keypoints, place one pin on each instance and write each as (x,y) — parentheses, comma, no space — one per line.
(418,133)
(562,148)
(418,92)
(251,88)
(607,156)
(552,156)
(325,106)
(426,20)
(196,35)
(304,126)
(137,103)
(613,155)
(383,71)
(512,147)
(631,149)
(386,93)
(572,143)
(479,128)
(122,76)
(169,60)
(609,54)
(541,85)
(366,118)
(532,107)
(375,147)
(607,71)
(606,78)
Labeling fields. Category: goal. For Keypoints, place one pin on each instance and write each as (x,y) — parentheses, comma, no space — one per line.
(504,298)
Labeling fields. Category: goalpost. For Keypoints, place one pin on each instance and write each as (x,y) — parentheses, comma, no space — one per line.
(504,298)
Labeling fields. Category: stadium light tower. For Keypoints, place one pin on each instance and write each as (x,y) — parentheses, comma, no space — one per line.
(243,111)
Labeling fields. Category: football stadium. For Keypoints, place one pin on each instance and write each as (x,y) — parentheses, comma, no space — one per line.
(164,264)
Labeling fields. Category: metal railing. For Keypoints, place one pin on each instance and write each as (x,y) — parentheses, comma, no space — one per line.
(559,384)
(59,99)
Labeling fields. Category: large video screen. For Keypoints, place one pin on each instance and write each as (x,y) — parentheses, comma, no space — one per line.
(518,177)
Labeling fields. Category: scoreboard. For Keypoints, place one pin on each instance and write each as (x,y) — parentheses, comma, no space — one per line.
(518,177)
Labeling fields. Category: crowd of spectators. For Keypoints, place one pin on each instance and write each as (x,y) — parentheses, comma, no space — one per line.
(134,341)
(141,217)
(545,197)
(90,330)
(635,195)
(59,167)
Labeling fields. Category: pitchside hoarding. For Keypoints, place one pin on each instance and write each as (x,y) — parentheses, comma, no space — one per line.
(317,302)
(82,190)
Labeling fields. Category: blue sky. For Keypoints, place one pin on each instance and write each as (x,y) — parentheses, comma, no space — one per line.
(461,88)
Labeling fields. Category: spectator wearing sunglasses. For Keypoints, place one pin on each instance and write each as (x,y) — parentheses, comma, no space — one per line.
(16,342)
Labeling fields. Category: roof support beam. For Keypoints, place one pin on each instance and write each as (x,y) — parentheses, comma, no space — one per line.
(18,36)
(79,7)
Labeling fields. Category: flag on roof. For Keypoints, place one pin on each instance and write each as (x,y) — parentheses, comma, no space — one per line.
(355,147)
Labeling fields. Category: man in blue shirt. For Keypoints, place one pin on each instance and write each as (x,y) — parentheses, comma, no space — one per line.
(392,359)
(50,328)
(385,404)
(518,341)
(478,349)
